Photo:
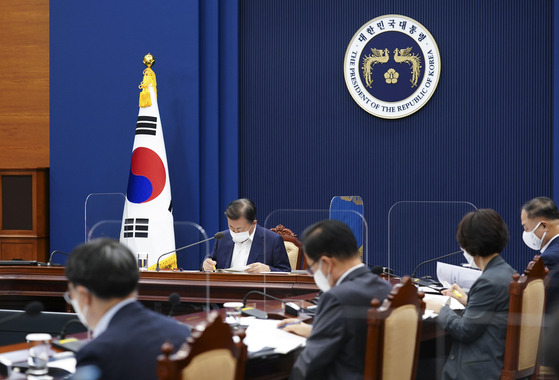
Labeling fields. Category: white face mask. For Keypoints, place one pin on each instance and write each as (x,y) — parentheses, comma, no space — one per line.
(320,280)
(470,259)
(81,316)
(531,240)
(239,237)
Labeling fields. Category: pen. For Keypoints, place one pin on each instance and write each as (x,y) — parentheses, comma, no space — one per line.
(290,323)
(457,293)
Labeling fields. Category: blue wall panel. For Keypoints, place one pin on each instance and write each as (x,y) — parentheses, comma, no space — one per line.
(484,137)
(96,52)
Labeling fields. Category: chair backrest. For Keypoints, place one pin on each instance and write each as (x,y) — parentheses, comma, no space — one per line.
(524,326)
(211,352)
(293,246)
(394,334)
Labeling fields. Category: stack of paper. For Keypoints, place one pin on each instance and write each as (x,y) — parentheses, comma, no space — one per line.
(264,335)
(454,274)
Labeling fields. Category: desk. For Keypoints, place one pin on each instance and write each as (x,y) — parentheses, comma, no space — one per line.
(21,284)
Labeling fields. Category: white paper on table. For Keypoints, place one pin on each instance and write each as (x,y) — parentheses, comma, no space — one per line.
(454,303)
(427,290)
(265,334)
(454,274)
(64,360)
(234,270)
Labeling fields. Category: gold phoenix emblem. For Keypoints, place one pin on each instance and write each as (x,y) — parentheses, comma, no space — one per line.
(372,59)
(391,76)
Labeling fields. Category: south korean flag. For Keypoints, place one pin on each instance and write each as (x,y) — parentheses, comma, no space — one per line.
(147,221)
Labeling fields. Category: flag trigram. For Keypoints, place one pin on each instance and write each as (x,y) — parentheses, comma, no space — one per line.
(146,125)
(136,227)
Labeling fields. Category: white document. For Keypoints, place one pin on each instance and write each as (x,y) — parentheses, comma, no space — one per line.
(264,334)
(454,274)
(454,304)
(234,270)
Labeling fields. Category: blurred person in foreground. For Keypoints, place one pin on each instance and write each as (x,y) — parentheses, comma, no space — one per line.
(337,340)
(479,334)
(127,337)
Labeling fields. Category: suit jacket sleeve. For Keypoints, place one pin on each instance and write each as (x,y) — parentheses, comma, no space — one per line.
(280,260)
(322,347)
(477,316)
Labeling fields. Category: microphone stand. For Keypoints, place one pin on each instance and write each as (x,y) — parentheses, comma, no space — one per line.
(50,263)
(431,260)
(290,308)
(217,236)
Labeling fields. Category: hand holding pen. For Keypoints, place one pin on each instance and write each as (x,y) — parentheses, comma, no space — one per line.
(456,292)
(209,265)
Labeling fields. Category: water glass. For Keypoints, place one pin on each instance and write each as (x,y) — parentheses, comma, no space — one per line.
(143,261)
(38,353)
(233,313)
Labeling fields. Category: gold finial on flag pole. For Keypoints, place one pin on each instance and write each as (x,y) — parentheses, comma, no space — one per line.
(149,60)
(149,79)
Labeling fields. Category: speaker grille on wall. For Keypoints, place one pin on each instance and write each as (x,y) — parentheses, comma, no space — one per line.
(17,202)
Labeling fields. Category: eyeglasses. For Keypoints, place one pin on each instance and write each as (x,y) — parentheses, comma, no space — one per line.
(309,268)
(67,297)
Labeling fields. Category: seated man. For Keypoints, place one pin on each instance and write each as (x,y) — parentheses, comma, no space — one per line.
(540,219)
(127,337)
(247,244)
(337,340)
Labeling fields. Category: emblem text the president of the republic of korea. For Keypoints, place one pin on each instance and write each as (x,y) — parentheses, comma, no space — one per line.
(392,66)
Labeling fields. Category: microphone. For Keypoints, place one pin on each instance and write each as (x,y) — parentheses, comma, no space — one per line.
(50,263)
(174,300)
(62,334)
(435,259)
(217,236)
(291,308)
(32,309)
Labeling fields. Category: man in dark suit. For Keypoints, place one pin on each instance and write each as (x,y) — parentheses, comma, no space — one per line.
(246,245)
(540,219)
(337,340)
(127,337)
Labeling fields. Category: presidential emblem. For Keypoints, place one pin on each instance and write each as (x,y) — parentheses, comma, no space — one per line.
(392,66)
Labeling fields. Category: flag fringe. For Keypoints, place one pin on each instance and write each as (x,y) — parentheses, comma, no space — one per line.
(149,79)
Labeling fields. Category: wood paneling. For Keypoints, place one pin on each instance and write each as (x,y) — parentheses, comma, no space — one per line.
(24,84)
(27,239)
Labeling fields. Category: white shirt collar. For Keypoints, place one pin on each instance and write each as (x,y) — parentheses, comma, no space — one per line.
(344,275)
(106,318)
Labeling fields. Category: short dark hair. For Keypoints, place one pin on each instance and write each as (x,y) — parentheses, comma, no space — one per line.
(243,207)
(482,233)
(543,207)
(105,267)
(330,238)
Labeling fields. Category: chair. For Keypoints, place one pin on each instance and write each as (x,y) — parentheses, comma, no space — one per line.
(211,352)
(293,246)
(524,326)
(394,334)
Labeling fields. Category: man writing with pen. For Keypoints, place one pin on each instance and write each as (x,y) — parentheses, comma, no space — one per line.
(245,245)
(336,343)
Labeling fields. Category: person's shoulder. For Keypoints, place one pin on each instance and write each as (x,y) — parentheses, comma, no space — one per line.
(362,281)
